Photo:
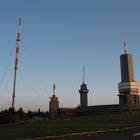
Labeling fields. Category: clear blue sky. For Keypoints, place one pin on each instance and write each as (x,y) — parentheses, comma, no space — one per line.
(57,38)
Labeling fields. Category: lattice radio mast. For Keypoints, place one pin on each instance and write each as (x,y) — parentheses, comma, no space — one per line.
(16,62)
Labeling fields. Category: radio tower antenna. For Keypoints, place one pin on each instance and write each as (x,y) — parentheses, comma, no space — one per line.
(54,89)
(83,74)
(16,62)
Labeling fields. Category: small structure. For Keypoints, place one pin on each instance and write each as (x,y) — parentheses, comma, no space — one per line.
(68,112)
(54,103)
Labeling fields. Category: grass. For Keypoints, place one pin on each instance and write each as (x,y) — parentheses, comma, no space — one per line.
(40,128)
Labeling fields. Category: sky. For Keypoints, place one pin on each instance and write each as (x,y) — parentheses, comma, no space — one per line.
(58,37)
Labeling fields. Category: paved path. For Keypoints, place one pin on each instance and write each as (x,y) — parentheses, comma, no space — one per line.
(124,135)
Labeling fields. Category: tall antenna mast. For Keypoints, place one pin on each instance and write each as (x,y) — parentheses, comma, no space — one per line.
(125,48)
(54,89)
(16,62)
(83,74)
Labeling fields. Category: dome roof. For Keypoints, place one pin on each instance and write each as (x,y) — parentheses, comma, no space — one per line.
(83,86)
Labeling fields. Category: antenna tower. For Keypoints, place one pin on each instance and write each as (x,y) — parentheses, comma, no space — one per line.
(83,74)
(16,62)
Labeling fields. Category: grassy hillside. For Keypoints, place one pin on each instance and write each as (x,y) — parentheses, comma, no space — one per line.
(39,128)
